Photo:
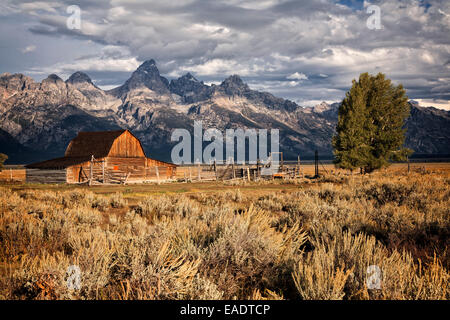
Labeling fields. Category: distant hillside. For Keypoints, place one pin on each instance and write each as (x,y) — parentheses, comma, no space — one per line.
(38,119)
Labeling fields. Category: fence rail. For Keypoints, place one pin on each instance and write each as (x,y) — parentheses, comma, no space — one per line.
(12,175)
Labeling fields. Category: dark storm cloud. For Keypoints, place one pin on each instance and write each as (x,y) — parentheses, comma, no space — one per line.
(268,42)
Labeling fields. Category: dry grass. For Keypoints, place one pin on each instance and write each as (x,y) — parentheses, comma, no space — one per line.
(308,240)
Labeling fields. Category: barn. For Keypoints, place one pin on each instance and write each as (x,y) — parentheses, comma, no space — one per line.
(102,157)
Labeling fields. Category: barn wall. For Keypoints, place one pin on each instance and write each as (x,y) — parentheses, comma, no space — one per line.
(165,169)
(45,176)
(78,173)
(126,145)
(117,169)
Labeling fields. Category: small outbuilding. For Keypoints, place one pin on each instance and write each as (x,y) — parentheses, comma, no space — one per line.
(102,157)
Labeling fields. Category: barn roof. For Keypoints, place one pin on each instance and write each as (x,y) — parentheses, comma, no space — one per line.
(81,149)
(58,163)
(97,143)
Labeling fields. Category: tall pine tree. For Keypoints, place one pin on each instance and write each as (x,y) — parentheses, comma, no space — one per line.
(370,131)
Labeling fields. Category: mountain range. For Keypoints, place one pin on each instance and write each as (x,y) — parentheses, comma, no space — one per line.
(38,119)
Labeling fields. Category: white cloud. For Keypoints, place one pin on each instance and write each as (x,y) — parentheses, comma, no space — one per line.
(110,59)
(297,76)
(263,40)
(440,104)
(29,48)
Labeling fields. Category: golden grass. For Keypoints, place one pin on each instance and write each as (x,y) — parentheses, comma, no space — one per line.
(298,239)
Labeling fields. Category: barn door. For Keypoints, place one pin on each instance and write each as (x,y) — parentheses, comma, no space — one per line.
(92,171)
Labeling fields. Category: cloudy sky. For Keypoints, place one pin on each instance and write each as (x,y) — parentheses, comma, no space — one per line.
(307,51)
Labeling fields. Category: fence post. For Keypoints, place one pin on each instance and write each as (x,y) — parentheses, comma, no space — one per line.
(232,168)
(299,165)
(316,161)
(258,163)
(91,170)
(407,159)
(157,173)
(103,171)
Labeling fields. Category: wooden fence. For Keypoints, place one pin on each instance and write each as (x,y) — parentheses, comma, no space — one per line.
(232,171)
(13,175)
(113,171)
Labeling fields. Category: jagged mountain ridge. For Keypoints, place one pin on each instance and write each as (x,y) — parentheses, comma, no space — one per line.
(43,117)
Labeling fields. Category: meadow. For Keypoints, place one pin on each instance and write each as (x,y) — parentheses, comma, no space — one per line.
(277,239)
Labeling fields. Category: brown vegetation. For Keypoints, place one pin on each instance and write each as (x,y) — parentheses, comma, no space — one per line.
(313,239)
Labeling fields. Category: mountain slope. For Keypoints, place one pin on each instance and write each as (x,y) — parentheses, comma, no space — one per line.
(428,130)
(39,119)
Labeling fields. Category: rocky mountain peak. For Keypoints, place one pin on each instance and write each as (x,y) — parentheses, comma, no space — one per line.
(233,85)
(10,84)
(234,80)
(190,89)
(15,81)
(79,77)
(53,78)
(146,75)
(148,66)
(189,76)
(321,107)
(413,103)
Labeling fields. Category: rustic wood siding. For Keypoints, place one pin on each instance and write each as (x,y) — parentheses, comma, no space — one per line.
(78,173)
(117,169)
(46,176)
(169,169)
(126,145)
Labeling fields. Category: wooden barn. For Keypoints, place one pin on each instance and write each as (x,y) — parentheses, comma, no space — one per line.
(102,157)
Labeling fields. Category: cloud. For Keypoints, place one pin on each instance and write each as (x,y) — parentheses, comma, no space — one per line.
(297,76)
(111,61)
(266,41)
(29,48)
(437,103)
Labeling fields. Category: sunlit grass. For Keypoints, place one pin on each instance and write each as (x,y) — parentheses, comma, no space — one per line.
(298,239)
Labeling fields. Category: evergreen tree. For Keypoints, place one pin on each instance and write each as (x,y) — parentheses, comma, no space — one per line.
(370,131)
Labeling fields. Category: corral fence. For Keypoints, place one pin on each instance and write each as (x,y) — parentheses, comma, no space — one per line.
(229,171)
(13,175)
(123,172)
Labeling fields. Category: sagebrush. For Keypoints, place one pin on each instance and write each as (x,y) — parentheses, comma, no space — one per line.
(312,242)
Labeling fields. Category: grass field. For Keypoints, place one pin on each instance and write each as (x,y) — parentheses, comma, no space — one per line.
(281,239)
